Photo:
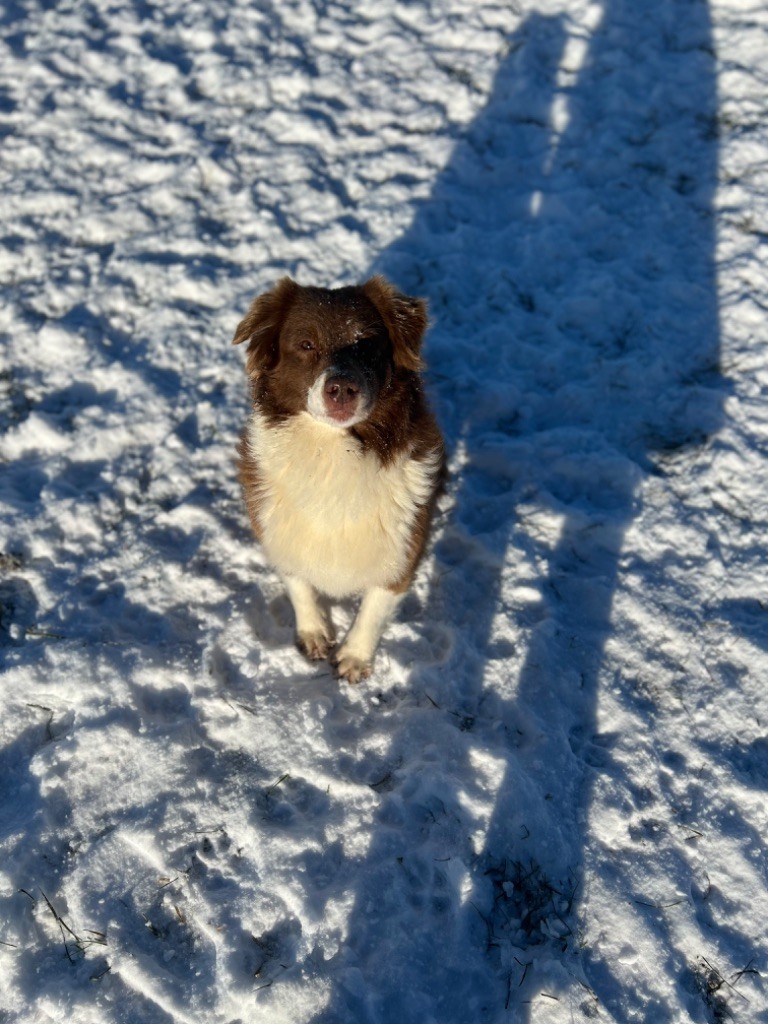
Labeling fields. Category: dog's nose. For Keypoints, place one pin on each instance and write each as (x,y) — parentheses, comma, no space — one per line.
(341,393)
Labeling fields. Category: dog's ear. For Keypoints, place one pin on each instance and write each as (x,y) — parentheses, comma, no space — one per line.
(260,326)
(405,319)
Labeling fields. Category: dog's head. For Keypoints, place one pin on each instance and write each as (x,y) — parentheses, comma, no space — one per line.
(330,352)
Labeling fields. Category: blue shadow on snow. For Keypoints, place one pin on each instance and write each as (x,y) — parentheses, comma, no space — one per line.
(570,270)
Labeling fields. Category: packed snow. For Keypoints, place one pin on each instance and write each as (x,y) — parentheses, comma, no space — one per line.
(548,804)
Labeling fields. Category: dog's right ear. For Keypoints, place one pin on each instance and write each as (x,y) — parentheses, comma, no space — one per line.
(260,326)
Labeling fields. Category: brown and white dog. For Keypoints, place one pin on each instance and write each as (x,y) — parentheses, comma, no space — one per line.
(341,461)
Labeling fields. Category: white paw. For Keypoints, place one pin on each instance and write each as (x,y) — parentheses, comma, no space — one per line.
(350,667)
(315,645)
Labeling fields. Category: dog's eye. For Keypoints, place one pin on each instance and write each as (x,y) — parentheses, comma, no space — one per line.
(307,346)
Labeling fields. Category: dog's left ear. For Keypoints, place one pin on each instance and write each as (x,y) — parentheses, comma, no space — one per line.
(405,319)
(260,326)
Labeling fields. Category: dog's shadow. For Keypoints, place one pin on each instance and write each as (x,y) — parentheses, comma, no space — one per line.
(567,251)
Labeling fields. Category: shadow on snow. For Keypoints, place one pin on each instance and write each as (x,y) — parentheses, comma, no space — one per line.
(567,251)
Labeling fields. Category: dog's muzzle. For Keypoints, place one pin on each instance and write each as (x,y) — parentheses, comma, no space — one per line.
(342,396)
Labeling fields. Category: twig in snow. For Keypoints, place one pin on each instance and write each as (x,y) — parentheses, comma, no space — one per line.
(660,906)
(749,969)
(63,928)
(246,707)
(44,634)
(274,785)
(714,973)
(48,729)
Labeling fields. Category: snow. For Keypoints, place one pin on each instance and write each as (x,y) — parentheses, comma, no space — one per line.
(548,804)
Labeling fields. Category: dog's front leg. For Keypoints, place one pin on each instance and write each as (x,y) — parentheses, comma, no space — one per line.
(355,657)
(314,631)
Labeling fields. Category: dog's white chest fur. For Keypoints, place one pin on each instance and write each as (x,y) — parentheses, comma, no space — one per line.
(330,513)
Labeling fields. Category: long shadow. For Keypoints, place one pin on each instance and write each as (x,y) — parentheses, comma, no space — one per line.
(568,254)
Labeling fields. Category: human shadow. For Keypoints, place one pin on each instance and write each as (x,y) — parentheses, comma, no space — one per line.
(567,251)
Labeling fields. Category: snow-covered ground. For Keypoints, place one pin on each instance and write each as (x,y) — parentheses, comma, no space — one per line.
(549,803)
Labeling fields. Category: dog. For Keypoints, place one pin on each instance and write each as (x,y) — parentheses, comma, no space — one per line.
(341,461)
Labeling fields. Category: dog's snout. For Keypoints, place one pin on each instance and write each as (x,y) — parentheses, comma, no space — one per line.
(342,396)
(341,390)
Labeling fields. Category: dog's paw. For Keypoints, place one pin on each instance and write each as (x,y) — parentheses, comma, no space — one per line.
(315,646)
(351,668)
